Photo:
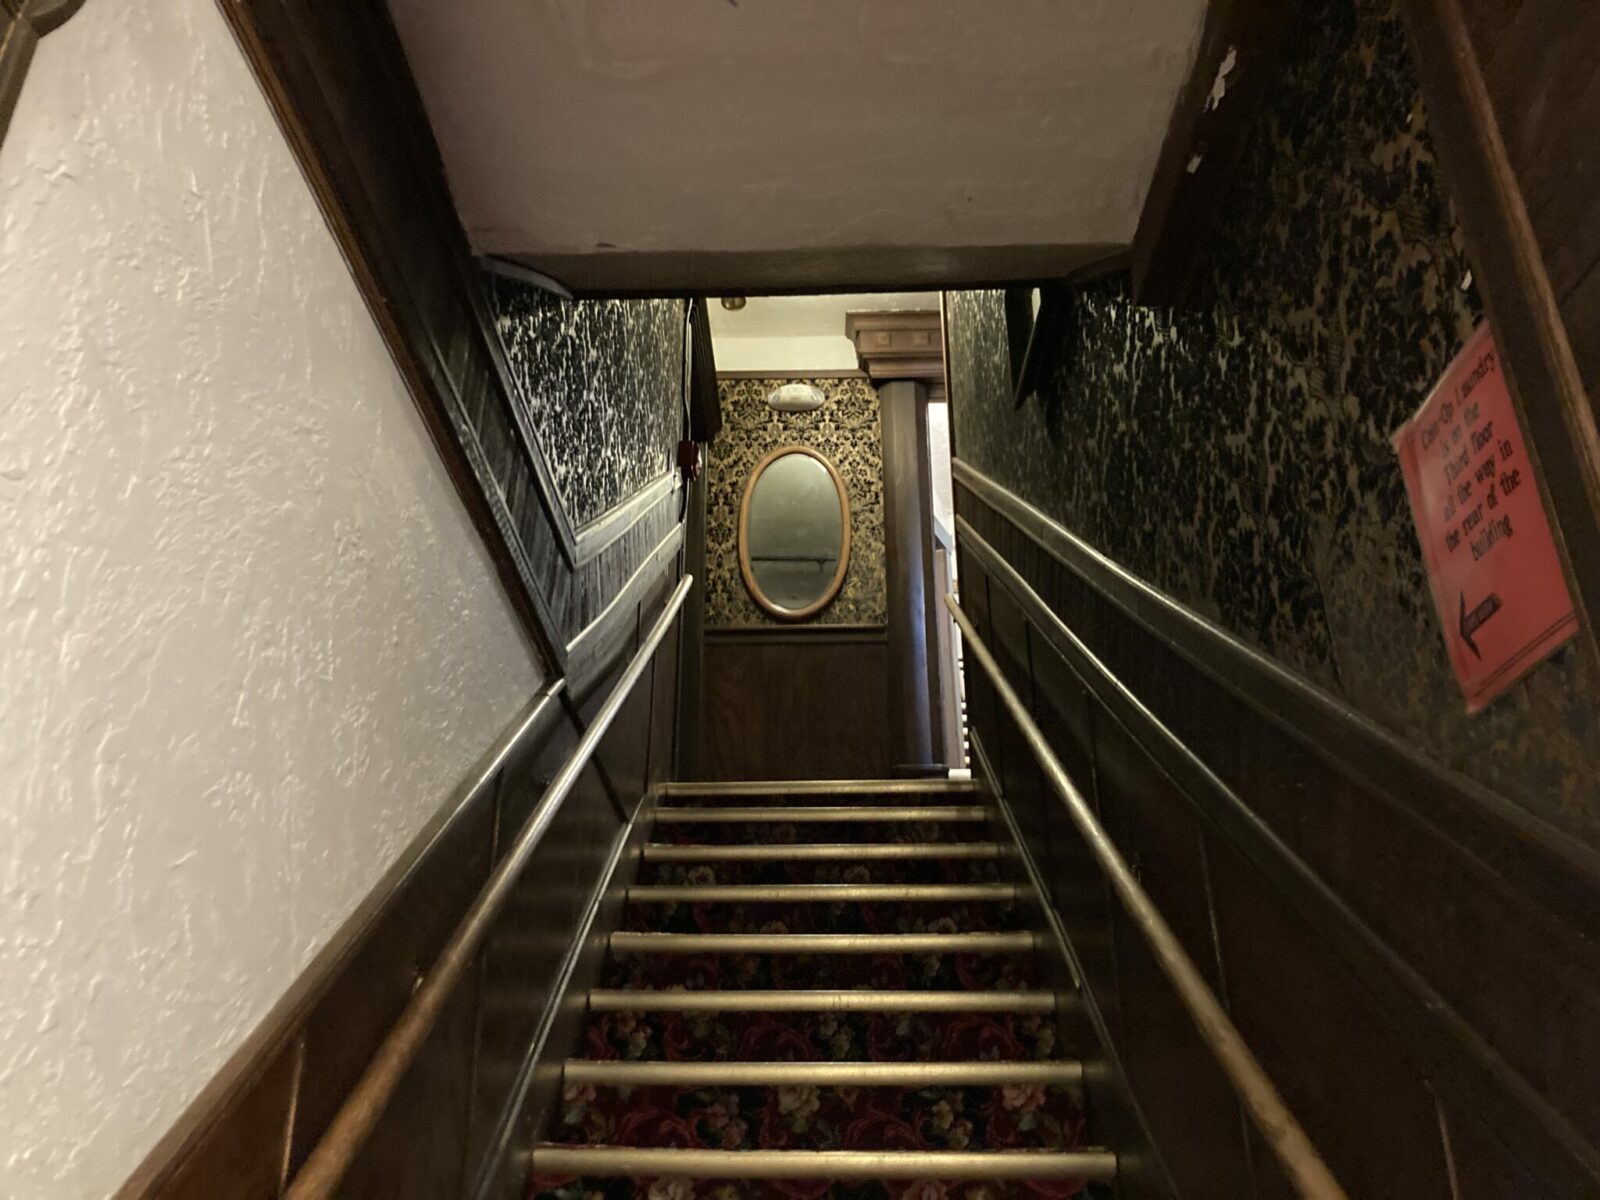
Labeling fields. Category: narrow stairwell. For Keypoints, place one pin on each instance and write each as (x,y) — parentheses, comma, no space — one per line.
(823,990)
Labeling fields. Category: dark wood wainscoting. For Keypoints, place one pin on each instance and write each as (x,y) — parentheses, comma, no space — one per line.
(469,1103)
(809,702)
(1415,962)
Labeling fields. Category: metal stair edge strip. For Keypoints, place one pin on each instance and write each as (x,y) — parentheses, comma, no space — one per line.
(862,1000)
(628,942)
(577,1072)
(821,787)
(817,814)
(822,851)
(1091,1163)
(823,893)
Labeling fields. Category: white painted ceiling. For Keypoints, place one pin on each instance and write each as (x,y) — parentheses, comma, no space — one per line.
(582,132)
(808,316)
(799,333)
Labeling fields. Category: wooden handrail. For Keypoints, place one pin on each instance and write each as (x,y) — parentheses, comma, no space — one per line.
(354,1122)
(1302,1163)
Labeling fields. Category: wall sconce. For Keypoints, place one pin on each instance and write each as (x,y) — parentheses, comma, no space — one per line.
(795,397)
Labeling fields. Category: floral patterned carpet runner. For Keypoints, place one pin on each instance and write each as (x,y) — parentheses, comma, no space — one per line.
(804,1117)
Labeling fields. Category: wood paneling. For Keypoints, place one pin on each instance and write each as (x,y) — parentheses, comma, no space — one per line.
(450,1122)
(806,703)
(898,345)
(1405,952)
(247,1156)
(1513,104)
(916,740)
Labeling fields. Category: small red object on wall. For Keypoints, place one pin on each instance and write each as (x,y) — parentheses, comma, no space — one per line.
(689,460)
(1492,562)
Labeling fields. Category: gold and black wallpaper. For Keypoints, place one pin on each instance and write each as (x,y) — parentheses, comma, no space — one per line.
(1235,452)
(845,430)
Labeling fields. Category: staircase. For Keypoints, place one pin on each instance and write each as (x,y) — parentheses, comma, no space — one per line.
(823,990)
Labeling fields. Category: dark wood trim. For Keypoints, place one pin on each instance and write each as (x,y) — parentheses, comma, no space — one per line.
(898,345)
(734,375)
(338,83)
(798,272)
(691,640)
(537,1090)
(22,24)
(601,533)
(1107,1088)
(597,644)
(798,633)
(916,739)
(527,439)
(1559,872)
(283,1024)
(337,79)
(705,399)
(1546,384)
(1211,122)
(1449,1050)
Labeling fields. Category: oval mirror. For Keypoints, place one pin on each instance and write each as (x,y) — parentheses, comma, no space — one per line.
(794,533)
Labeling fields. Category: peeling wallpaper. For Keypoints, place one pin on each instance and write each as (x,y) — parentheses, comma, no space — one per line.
(846,431)
(248,638)
(602,384)
(1235,453)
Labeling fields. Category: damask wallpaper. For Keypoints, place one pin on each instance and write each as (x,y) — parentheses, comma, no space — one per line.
(1235,452)
(601,381)
(846,431)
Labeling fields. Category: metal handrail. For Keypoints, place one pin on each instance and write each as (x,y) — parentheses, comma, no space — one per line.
(1267,1109)
(366,1102)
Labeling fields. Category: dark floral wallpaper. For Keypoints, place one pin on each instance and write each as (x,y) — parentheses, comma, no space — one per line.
(1235,452)
(846,431)
(601,381)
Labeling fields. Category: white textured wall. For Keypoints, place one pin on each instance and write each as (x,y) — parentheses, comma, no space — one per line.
(248,638)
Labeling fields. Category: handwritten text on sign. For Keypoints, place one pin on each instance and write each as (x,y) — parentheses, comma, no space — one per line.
(1491,558)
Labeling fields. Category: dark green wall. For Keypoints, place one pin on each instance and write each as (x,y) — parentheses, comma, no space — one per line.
(1235,452)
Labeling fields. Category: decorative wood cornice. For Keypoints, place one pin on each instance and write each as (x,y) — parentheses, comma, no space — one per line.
(898,345)
(22,24)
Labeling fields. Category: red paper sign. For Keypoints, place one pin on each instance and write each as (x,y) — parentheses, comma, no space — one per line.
(1492,562)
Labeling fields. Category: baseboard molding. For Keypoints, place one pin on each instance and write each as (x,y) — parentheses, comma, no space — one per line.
(256,1055)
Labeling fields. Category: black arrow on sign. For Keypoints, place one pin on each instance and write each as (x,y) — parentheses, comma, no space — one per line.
(1472,621)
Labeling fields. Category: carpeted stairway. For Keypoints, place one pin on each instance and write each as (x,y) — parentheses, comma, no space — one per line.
(821,992)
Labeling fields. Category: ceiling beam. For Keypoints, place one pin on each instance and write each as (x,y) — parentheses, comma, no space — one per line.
(618,273)
(1216,109)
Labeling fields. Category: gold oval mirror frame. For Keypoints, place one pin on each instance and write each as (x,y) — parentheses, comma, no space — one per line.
(746,568)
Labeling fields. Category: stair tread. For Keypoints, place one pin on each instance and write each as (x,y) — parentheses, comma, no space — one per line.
(1078,1162)
(831,1072)
(820,813)
(729,852)
(993,1028)
(729,893)
(810,981)
(647,941)
(820,1000)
